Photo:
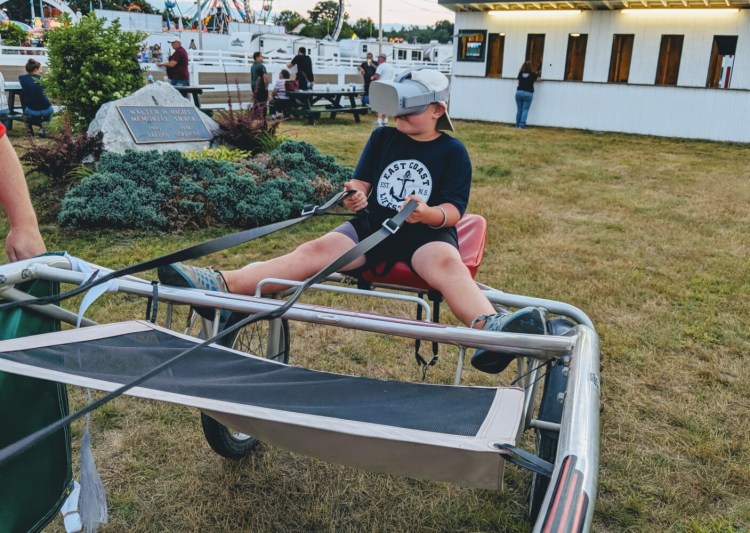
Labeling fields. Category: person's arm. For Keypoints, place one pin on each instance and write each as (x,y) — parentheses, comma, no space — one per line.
(23,240)
(171,63)
(444,215)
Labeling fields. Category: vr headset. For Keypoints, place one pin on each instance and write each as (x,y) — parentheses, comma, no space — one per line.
(404,95)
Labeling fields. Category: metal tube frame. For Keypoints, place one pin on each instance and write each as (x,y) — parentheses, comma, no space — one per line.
(579,427)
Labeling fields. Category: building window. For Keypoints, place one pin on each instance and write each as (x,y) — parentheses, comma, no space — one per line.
(535,51)
(364,48)
(401,54)
(471,45)
(416,55)
(670,53)
(495,52)
(576,56)
(619,63)
(721,64)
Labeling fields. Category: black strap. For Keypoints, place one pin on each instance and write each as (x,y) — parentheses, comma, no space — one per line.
(191,252)
(389,227)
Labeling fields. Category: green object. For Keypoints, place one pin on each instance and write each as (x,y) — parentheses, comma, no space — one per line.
(33,485)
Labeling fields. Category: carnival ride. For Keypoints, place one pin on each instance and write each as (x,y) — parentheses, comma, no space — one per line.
(214,15)
(238,373)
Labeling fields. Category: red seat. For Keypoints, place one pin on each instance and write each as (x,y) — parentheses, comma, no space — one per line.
(472,237)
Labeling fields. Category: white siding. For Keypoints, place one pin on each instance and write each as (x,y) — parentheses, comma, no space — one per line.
(688,110)
(666,111)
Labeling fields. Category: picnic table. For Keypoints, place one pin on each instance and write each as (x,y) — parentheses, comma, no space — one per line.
(195,91)
(303,102)
(13,88)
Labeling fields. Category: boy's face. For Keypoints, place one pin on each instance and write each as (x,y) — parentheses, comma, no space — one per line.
(421,124)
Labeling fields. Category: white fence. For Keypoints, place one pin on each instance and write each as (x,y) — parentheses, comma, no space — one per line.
(17,56)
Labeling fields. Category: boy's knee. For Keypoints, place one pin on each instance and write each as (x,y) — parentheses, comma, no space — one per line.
(310,249)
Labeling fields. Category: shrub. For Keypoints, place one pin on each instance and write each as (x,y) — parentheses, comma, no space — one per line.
(247,129)
(221,153)
(90,65)
(111,200)
(64,159)
(168,191)
(11,34)
(66,151)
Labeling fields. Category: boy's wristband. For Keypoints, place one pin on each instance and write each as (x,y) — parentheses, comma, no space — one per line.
(445,219)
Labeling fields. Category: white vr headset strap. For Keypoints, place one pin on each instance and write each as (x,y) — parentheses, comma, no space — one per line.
(424,99)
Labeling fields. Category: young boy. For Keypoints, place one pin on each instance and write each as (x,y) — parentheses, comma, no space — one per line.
(413,161)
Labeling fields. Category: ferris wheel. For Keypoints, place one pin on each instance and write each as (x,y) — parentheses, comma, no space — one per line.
(339,21)
(265,11)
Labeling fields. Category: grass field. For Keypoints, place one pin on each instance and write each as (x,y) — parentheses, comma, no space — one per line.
(649,236)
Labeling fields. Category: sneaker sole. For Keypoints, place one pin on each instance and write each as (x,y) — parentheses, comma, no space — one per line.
(532,322)
(171,276)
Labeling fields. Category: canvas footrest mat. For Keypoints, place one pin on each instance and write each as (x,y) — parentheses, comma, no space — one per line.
(437,432)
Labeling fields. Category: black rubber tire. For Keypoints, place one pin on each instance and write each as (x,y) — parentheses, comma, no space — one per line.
(251,339)
(550,410)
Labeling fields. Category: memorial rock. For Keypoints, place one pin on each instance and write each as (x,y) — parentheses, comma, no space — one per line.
(156,117)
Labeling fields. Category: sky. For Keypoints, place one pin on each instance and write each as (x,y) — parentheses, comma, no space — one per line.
(402,12)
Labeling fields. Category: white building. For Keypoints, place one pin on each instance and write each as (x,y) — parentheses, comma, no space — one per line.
(678,68)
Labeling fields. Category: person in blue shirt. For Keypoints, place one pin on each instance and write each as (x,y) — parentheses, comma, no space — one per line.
(36,105)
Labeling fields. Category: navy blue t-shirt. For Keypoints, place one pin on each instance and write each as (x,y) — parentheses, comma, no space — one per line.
(33,92)
(396,166)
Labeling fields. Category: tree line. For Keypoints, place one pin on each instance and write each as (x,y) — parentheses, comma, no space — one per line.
(319,23)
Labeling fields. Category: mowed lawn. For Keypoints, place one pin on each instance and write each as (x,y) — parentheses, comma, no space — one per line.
(649,236)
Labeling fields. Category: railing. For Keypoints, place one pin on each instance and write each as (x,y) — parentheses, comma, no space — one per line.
(19,55)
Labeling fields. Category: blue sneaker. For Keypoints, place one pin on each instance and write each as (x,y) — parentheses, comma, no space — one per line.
(526,320)
(180,275)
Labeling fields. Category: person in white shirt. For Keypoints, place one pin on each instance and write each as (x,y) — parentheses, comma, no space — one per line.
(384,72)
(280,103)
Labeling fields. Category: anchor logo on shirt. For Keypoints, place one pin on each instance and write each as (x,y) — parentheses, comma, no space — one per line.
(400,179)
(404,180)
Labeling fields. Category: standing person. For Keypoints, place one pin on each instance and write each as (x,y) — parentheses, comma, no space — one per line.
(396,163)
(36,105)
(303,62)
(367,69)
(259,81)
(177,65)
(524,93)
(384,72)
(23,240)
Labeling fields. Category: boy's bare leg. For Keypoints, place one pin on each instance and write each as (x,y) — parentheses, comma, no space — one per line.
(299,265)
(440,265)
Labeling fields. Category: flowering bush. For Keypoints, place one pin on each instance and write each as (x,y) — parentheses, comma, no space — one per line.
(90,65)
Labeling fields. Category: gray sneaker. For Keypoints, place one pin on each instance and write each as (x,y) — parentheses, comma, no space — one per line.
(181,275)
(527,320)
